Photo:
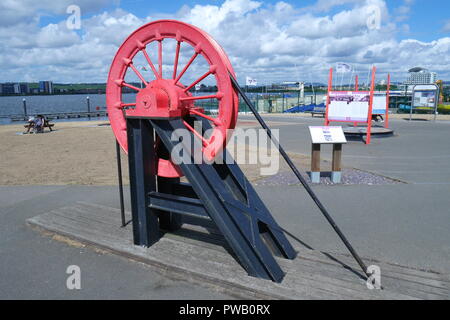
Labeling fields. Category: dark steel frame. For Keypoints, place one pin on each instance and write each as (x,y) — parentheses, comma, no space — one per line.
(217,192)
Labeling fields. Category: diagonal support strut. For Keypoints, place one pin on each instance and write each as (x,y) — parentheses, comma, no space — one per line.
(230,201)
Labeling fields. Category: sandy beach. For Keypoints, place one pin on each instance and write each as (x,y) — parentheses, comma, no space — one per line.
(75,153)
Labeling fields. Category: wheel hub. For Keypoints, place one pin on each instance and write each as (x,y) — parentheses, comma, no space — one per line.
(161,99)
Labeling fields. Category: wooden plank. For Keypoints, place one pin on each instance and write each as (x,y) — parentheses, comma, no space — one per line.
(198,254)
(345,279)
(410,289)
(337,155)
(315,157)
(417,285)
(393,269)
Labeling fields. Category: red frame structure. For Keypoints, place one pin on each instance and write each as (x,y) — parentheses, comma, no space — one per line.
(371,92)
(386,121)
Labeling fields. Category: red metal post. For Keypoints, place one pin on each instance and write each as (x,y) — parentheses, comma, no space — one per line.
(369,117)
(330,88)
(356,83)
(386,121)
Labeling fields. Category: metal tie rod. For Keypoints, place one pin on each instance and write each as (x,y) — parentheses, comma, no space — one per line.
(300,177)
(119,175)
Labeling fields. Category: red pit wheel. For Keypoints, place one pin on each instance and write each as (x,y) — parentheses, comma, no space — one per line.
(167,97)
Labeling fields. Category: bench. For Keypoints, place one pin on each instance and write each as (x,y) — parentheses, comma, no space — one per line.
(318,110)
(47,124)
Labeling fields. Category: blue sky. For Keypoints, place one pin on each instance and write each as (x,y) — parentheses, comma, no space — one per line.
(426,18)
(269,40)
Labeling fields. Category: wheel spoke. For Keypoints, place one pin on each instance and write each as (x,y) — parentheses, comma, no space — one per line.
(138,73)
(160,57)
(175,64)
(122,83)
(198,135)
(219,96)
(216,121)
(197,81)
(150,63)
(131,86)
(186,66)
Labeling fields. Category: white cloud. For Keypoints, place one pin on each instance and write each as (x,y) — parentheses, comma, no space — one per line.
(210,17)
(446,27)
(265,41)
(56,36)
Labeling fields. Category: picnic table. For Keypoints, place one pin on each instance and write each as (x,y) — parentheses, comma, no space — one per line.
(47,124)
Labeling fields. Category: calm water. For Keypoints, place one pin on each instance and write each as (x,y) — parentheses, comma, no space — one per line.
(13,105)
(53,104)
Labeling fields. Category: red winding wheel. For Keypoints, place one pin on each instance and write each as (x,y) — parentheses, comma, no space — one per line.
(166,96)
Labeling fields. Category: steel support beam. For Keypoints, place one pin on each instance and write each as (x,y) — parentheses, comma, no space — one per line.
(141,160)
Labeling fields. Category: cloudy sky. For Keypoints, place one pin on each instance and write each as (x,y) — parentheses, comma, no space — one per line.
(267,40)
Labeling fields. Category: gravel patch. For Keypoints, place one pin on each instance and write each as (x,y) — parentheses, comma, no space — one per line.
(349,177)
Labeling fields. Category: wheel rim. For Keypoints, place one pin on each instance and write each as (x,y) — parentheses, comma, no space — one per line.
(169,89)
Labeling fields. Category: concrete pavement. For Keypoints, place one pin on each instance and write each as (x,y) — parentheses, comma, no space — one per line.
(419,152)
(33,266)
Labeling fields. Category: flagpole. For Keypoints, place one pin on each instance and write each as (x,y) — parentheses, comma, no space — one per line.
(312,87)
(368,77)
(351,77)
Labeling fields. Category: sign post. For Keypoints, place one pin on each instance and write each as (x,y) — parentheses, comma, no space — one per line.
(24,101)
(425,97)
(388,92)
(369,116)
(326,135)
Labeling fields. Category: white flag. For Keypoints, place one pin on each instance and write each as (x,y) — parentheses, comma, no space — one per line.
(343,68)
(250,82)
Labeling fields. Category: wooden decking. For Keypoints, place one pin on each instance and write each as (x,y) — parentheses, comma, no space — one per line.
(198,254)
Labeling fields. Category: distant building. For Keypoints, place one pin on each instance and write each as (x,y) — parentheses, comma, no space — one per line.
(24,88)
(10,88)
(46,87)
(420,76)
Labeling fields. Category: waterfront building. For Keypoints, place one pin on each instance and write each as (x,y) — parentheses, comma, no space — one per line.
(46,87)
(10,88)
(420,76)
(24,89)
